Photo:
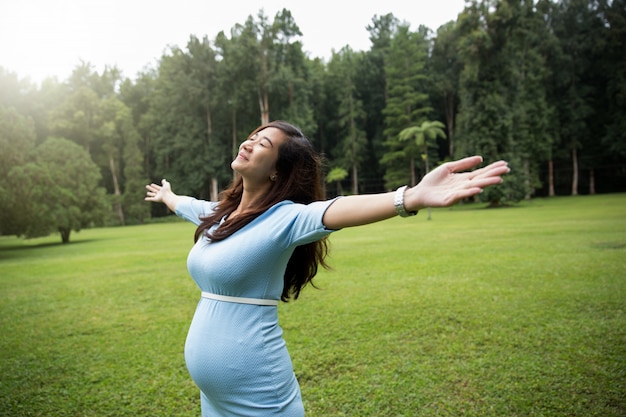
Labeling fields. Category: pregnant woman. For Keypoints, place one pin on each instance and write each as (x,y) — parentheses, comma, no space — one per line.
(262,242)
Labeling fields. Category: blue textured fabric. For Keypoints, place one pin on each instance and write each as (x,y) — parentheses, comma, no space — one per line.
(235,353)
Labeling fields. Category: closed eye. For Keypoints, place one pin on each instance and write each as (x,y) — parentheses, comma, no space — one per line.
(264,141)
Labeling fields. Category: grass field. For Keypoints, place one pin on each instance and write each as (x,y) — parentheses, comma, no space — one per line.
(478,312)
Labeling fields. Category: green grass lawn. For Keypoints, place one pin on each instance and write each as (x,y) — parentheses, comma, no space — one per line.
(478,312)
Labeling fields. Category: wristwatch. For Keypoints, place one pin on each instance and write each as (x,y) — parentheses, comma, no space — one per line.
(398,203)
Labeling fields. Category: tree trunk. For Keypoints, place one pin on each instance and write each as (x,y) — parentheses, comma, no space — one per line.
(65,234)
(264,107)
(551,192)
(116,191)
(235,145)
(527,191)
(575,172)
(426,171)
(592,181)
(450,123)
(214,189)
(213,186)
(263,88)
(355,179)
(412,167)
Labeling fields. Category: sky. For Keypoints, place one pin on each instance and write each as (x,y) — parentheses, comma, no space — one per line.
(49,38)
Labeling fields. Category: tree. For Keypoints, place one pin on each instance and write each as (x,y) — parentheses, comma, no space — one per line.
(577,27)
(529,39)
(444,69)
(291,90)
(119,143)
(17,141)
(268,45)
(74,119)
(136,96)
(337,175)
(182,104)
(424,135)
(27,100)
(605,149)
(613,64)
(350,150)
(59,190)
(371,83)
(489,92)
(407,102)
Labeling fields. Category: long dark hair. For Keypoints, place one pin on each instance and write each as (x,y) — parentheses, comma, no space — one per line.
(299,179)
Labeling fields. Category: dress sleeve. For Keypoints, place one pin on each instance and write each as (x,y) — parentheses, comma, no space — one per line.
(307,226)
(192,209)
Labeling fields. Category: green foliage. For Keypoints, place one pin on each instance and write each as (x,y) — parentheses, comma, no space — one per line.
(508,312)
(17,140)
(505,112)
(540,84)
(407,102)
(444,71)
(74,118)
(613,15)
(425,136)
(184,147)
(63,190)
(336,174)
(350,149)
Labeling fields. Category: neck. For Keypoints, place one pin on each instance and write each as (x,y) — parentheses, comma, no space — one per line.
(251,194)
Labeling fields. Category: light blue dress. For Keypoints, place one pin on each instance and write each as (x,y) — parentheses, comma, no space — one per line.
(235,352)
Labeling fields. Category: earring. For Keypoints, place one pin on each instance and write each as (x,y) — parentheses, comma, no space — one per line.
(273,177)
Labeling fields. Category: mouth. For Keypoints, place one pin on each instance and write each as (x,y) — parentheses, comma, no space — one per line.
(242,156)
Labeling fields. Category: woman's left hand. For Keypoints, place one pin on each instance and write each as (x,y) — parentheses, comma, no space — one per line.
(448,183)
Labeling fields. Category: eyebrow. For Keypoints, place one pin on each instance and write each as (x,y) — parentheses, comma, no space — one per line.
(268,139)
(257,135)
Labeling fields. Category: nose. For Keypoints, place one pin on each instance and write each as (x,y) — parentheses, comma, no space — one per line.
(246,145)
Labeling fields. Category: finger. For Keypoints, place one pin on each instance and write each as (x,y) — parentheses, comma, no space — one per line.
(495,168)
(465,163)
(496,165)
(486,182)
(467,193)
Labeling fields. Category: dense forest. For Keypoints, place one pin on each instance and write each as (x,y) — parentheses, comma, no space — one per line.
(541,84)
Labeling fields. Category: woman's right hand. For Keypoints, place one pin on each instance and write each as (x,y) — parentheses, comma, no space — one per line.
(163,194)
(158,193)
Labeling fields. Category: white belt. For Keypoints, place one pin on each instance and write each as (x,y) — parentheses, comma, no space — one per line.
(240,300)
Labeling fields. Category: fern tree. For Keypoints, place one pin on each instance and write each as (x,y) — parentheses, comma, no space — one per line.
(424,136)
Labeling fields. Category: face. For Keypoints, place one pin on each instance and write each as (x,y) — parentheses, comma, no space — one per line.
(257,156)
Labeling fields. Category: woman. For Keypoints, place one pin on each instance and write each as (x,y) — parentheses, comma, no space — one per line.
(262,242)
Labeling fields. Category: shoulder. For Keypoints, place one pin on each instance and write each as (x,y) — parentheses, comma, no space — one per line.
(193,210)
(288,206)
(307,216)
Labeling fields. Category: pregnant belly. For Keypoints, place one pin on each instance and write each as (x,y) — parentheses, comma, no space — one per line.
(235,352)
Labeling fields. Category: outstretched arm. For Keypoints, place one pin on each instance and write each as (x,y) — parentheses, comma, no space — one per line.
(442,187)
(162,194)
